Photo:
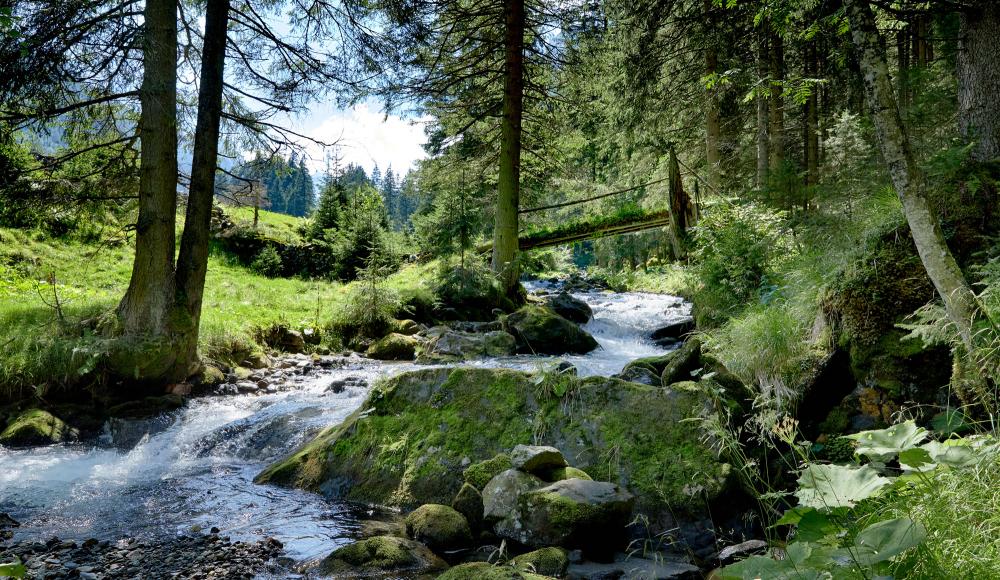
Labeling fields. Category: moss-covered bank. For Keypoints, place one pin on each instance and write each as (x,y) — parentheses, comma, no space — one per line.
(411,440)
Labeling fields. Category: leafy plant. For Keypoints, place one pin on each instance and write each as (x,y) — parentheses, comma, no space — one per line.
(267,262)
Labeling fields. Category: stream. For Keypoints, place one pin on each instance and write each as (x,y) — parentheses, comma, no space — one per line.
(196,468)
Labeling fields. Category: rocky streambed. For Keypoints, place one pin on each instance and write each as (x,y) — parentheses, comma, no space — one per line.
(149,483)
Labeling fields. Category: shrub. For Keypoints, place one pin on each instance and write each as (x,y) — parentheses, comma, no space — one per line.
(267,262)
(737,247)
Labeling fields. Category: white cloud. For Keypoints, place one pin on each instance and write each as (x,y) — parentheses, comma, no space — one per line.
(367,137)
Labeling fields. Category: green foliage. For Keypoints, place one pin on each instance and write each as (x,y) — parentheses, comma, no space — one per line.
(267,262)
(737,247)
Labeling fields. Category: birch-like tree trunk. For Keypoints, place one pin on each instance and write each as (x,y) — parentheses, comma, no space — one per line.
(911,185)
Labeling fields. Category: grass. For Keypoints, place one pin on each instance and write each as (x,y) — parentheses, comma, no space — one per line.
(37,347)
(273,225)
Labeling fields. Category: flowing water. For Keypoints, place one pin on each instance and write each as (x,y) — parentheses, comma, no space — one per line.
(196,466)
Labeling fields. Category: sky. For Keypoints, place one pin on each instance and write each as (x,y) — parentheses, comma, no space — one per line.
(366,135)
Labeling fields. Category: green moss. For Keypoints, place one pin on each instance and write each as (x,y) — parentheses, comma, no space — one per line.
(479,474)
(568,473)
(394,346)
(419,428)
(381,554)
(34,427)
(487,571)
(550,561)
(440,527)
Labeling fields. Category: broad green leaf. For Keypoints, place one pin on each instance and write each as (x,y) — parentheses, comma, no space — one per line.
(884,444)
(882,541)
(951,454)
(831,486)
(815,527)
(950,421)
(916,458)
(802,561)
(793,516)
(13,570)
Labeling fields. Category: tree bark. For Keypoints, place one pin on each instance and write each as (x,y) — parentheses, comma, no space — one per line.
(143,311)
(763,140)
(713,131)
(509,185)
(811,125)
(192,261)
(776,111)
(960,302)
(979,79)
(681,209)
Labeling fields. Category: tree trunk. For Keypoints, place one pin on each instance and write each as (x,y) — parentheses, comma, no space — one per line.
(811,126)
(903,69)
(713,131)
(509,185)
(776,113)
(763,155)
(979,80)
(911,185)
(192,261)
(681,210)
(143,311)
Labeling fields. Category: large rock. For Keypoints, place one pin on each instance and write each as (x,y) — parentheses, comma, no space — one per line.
(674,330)
(570,513)
(551,561)
(684,360)
(381,555)
(571,308)
(539,330)
(411,440)
(394,346)
(536,459)
(634,567)
(639,374)
(440,527)
(479,474)
(445,345)
(487,571)
(283,338)
(469,503)
(35,427)
(502,492)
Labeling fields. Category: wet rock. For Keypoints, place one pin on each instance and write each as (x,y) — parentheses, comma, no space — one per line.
(639,374)
(500,496)
(469,502)
(566,367)
(451,346)
(440,527)
(373,528)
(539,330)
(394,347)
(570,308)
(536,458)
(472,326)
(209,376)
(126,433)
(380,555)
(731,554)
(571,513)
(257,360)
(684,360)
(281,337)
(407,327)
(674,330)
(551,561)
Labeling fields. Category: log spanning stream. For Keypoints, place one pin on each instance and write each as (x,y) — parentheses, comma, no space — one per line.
(195,467)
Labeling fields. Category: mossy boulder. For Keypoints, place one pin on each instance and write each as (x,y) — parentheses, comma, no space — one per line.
(209,376)
(550,561)
(502,492)
(571,513)
(469,502)
(35,427)
(684,360)
(394,346)
(406,327)
(440,527)
(408,443)
(651,363)
(379,556)
(639,374)
(480,473)
(539,330)
(487,571)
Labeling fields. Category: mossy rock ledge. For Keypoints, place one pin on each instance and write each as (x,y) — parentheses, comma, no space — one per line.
(410,441)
